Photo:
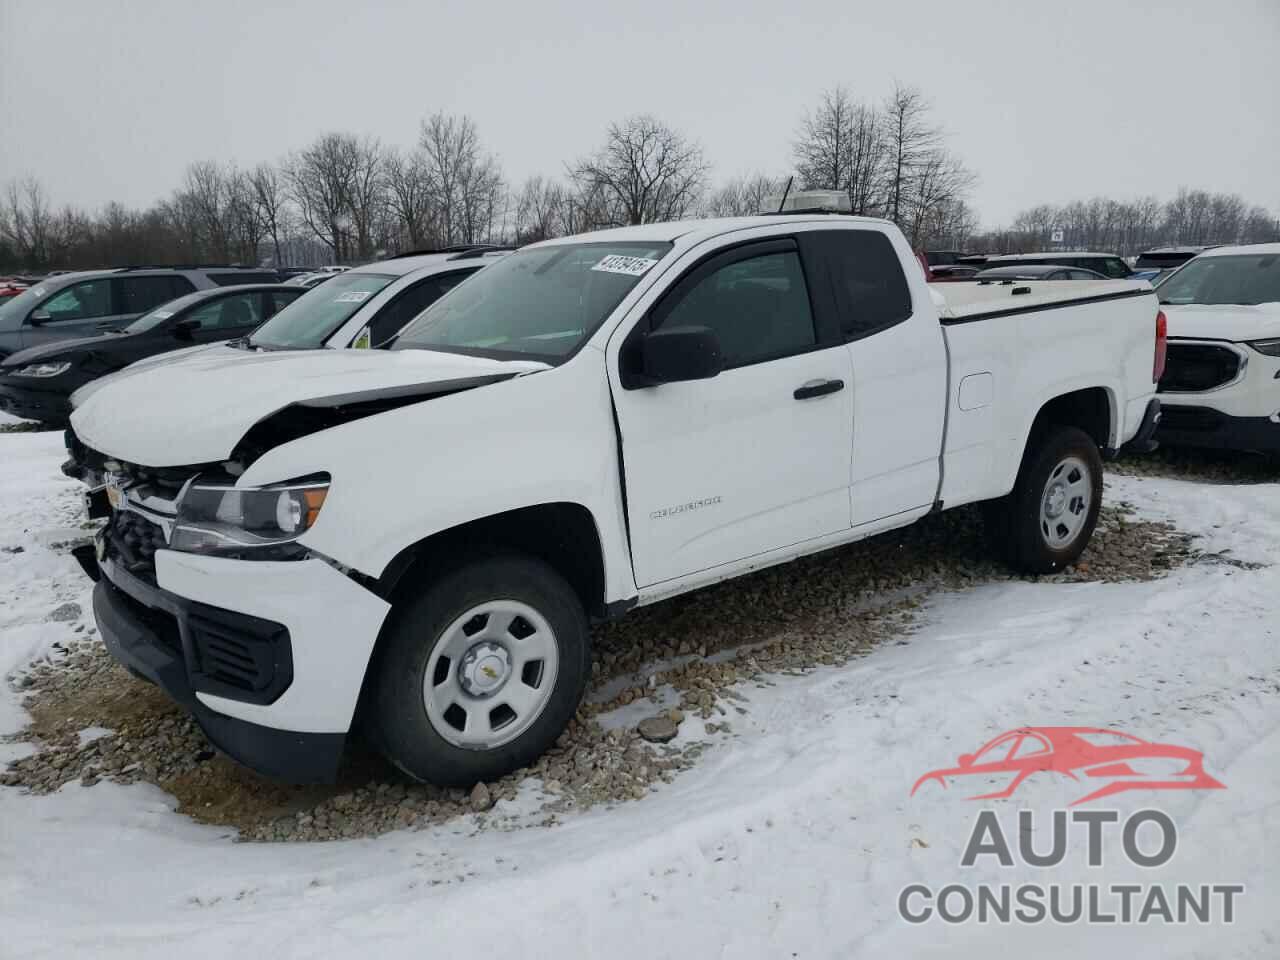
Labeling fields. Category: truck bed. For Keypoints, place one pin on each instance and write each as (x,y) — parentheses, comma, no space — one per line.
(963,302)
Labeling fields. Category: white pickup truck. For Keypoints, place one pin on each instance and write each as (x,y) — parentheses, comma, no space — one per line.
(416,540)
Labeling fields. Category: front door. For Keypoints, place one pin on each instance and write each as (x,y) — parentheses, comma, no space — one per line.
(756,458)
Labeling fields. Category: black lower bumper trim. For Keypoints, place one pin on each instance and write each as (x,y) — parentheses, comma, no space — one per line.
(41,405)
(147,652)
(1185,426)
(1144,441)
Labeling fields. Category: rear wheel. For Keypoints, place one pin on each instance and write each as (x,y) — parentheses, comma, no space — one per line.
(1045,523)
(480,672)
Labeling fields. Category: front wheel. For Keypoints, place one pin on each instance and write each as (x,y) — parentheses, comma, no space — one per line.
(1045,523)
(481,672)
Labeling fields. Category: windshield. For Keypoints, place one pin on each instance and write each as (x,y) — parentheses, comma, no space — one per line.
(1243,279)
(538,304)
(163,312)
(314,316)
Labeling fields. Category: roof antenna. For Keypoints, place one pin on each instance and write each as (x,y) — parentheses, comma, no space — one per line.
(785,193)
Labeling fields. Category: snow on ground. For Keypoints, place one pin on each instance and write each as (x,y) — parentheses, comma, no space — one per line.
(791,838)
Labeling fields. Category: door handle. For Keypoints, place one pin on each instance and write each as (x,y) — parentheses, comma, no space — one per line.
(818,388)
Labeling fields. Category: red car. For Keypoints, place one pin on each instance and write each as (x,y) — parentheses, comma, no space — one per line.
(1084,754)
(10,288)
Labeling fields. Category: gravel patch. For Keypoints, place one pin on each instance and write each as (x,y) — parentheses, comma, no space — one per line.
(683,658)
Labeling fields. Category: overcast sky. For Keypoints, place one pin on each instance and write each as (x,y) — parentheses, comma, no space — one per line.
(1047,102)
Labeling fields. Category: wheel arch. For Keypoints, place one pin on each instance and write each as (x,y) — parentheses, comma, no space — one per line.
(1091,409)
(562,534)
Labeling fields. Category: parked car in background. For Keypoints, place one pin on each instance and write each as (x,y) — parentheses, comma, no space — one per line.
(1221,386)
(1036,271)
(362,307)
(948,272)
(97,301)
(11,287)
(942,258)
(1108,264)
(1153,264)
(37,383)
(588,425)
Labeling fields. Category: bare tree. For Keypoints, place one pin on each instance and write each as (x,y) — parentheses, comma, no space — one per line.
(466,184)
(29,221)
(910,140)
(366,194)
(647,170)
(270,205)
(538,210)
(823,148)
(320,182)
(743,196)
(411,196)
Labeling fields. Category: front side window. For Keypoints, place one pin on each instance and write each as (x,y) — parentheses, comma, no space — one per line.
(159,315)
(1238,279)
(537,304)
(758,309)
(80,301)
(313,317)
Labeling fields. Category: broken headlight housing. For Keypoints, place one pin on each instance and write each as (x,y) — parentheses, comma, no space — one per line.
(257,523)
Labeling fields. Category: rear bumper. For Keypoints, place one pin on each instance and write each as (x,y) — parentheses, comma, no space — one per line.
(1188,426)
(46,406)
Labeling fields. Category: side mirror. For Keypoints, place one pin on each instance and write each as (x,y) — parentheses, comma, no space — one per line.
(39,317)
(184,328)
(676,354)
(966,759)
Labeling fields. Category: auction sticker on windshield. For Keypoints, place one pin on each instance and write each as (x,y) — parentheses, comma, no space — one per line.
(353,296)
(630,266)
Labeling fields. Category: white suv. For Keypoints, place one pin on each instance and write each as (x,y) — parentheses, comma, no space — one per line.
(1221,386)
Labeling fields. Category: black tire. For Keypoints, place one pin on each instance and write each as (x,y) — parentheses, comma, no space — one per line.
(397,717)
(1014,523)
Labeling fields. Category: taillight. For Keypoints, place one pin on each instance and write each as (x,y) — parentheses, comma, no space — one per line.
(1162,346)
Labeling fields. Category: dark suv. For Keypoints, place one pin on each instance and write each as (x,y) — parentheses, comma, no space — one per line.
(98,301)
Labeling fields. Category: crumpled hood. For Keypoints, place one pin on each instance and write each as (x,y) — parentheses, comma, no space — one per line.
(1223,321)
(197,410)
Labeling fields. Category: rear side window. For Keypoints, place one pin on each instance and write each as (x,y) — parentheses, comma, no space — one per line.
(140,294)
(393,317)
(229,313)
(277,300)
(866,279)
(758,308)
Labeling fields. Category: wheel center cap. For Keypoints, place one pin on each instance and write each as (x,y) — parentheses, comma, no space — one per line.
(484,669)
(1056,501)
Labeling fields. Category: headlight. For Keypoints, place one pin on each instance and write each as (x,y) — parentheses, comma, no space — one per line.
(215,518)
(44,369)
(1270,347)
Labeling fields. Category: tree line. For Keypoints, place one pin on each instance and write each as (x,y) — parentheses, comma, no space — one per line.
(348,199)
(1193,218)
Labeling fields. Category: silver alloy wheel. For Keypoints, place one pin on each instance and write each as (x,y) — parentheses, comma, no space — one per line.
(1064,505)
(490,674)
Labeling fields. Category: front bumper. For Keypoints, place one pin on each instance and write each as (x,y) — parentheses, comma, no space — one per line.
(1188,426)
(268,657)
(31,403)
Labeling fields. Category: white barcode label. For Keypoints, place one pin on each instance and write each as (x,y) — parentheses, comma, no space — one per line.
(630,266)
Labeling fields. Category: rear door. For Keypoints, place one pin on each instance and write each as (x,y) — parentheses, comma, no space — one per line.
(136,295)
(756,458)
(899,373)
(226,318)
